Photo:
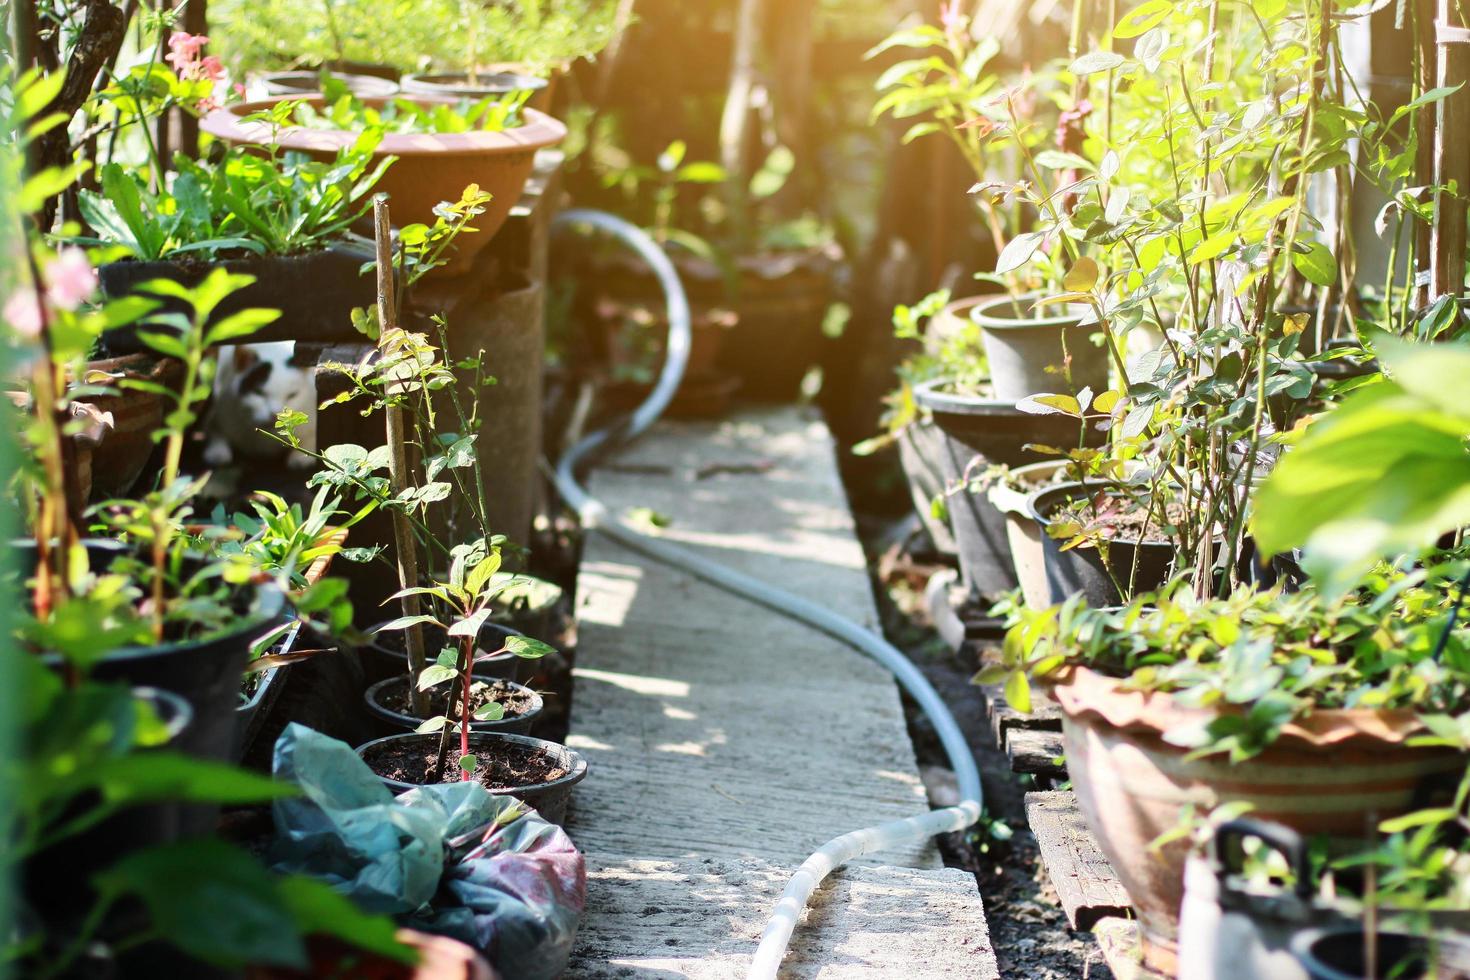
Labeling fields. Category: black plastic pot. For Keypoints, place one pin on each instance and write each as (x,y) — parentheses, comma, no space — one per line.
(56,879)
(315,292)
(1081,569)
(206,673)
(380,662)
(1339,954)
(252,712)
(386,721)
(548,799)
(980,432)
(921,449)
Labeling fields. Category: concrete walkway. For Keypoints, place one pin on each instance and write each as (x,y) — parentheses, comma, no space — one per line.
(727,742)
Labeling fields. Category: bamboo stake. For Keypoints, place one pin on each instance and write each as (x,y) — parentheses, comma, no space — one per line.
(405,546)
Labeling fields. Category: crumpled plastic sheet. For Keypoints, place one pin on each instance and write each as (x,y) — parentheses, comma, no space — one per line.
(450,859)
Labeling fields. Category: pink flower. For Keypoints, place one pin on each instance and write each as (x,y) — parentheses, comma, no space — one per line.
(185,46)
(211,68)
(23,312)
(240,89)
(70,279)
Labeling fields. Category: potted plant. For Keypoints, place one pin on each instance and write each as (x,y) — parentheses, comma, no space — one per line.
(950,89)
(440,148)
(1305,706)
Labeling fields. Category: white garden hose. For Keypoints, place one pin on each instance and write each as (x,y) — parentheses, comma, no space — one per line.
(594,516)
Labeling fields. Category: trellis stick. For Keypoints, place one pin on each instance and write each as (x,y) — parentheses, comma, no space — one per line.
(406,548)
(1451,156)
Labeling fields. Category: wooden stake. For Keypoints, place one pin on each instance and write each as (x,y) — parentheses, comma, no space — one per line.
(403,540)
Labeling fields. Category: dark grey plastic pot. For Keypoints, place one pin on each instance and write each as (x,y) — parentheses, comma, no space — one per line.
(380,662)
(548,799)
(527,604)
(1026,353)
(386,721)
(921,447)
(316,292)
(310,82)
(1338,954)
(979,432)
(459,86)
(1081,570)
(206,673)
(1011,497)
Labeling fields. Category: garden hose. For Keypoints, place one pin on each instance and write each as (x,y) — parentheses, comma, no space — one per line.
(595,517)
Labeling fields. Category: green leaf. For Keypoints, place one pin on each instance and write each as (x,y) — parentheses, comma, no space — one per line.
(1018,251)
(1018,692)
(527,648)
(237,325)
(1096,61)
(1144,17)
(318,909)
(1316,265)
(213,901)
(468,762)
(434,675)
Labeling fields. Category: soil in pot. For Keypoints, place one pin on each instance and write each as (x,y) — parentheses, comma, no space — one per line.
(515,699)
(1081,569)
(508,766)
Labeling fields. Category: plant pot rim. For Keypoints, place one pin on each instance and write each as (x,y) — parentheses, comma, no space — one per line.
(1085,695)
(575,761)
(358,82)
(271,611)
(539,130)
(929,395)
(375,706)
(489,82)
(179,713)
(1012,495)
(981,316)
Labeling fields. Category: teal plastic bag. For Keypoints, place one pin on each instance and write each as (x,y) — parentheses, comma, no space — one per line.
(451,859)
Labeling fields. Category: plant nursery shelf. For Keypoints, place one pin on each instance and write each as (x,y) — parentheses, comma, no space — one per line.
(1004,719)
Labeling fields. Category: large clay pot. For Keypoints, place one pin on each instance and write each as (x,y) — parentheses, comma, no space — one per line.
(431,167)
(1334,773)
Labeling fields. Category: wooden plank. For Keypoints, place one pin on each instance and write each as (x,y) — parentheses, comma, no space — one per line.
(1043,716)
(1085,883)
(1037,752)
(1122,949)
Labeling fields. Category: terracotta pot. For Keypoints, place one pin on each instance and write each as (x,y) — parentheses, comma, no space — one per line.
(431,167)
(1335,773)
